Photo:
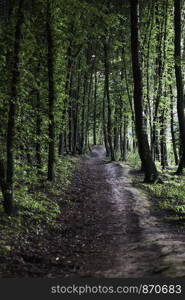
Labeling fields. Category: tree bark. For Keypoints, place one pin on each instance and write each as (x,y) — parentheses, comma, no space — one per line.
(83,110)
(95,104)
(51,95)
(160,62)
(104,124)
(75,114)
(164,156)
(172,129)
(179,82)
(116,125)
(70,117)
(88,112)
(107,92)
(150,170)
(9,205)
(62,136)
(38,132)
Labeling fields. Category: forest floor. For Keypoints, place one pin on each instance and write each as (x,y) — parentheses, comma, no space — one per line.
(110,229)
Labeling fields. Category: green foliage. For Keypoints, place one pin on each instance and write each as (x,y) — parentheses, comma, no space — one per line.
(79,29)
(39,203)
(170,195)
(133,159)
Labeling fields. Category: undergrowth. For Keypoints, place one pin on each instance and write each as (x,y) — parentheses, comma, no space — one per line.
(170,195)
(39,203)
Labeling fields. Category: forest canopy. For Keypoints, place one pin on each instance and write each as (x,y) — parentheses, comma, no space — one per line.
(79,73)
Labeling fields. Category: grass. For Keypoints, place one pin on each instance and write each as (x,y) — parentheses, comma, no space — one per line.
(39,203)
(170,194)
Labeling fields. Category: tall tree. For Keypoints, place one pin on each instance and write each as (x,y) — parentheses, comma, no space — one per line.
(148,165)
(95,107)
(179,81)
(9,205)
(107,93)
(51,93)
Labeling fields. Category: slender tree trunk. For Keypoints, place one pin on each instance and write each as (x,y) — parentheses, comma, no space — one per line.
(51,95)
(63,145)
(172,129)
(70,117)
(88,113)
(123,118)
(125,77)
(109,122)
(75,115)
(116,126)
(150,27)
(83,114)
(150,170)
(95,104)
(121,127)
(63,136)
(3,182)
(160,62)
(124,71)
(179,82)
(104,124)
(123,137)
(164,160)
(65,142)
(9,205)
(38,132)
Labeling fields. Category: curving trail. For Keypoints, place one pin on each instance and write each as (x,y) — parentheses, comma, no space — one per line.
(121,232)
(107,229)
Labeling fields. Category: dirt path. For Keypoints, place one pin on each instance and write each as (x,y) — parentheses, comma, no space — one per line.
(119,232)
(108,229)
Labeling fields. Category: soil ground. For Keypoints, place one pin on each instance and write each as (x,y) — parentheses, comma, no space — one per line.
(111,230)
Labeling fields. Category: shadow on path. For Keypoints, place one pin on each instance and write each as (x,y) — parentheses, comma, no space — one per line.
(121,234)
(107,229)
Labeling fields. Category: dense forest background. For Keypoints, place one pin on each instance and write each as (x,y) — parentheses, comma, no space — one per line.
(79,73)
(91,113)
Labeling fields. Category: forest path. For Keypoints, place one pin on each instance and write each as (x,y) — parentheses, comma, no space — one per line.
(107,229)
(120,232)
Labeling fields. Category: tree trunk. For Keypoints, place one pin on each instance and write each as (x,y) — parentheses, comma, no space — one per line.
(82,140)
(150,28)
(172,130)
(95,103)
(62,135)
(75,115)
(164,160)
(116,127)
(61,144)
(9,205)
(51,95)
(88,112)
(179,83)
(3,184)
(38,132)
(160,62)
(107,92)
(104,124)
(150,170)
(70,117)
